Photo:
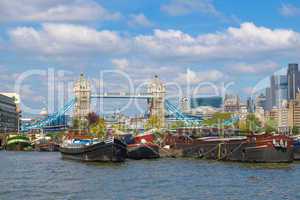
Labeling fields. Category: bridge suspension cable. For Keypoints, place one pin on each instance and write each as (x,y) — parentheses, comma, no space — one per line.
(51,118)
(172,109)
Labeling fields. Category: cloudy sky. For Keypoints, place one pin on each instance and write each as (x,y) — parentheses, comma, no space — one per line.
(219,42)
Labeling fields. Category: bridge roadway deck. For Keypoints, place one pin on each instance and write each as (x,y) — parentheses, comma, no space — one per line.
(123,96)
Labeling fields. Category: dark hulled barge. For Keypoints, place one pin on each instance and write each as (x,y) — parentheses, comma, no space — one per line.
(45,144)
(143,151)
(110,150)
(253,148)
(296,143)
(142,146)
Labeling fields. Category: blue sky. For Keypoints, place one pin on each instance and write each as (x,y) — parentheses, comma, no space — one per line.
(196,40)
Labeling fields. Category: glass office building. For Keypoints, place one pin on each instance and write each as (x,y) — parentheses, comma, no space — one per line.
(279,89)
(215,102)
(8,115)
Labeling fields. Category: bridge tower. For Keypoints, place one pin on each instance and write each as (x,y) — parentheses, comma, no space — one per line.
(157,103)
(82,92)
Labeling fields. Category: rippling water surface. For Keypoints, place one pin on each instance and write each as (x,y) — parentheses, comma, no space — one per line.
(34,175)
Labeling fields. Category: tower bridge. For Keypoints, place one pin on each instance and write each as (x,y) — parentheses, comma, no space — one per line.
(81,103)
(122,95)
(155,97)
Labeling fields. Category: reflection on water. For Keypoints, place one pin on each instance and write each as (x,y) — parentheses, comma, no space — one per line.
(33,175)
(279,166)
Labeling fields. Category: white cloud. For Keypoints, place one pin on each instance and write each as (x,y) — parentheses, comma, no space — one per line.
(248,90)
(121,64)
(254,68)
(54,10)
(27,92)
(65,39)
(195,77)
(249,43)
(243,42)
(289,10)
(184,7)
(139,20)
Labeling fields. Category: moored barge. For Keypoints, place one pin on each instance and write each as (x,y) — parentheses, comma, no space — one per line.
(143,151)
(142,146)
(253,148)
(110,150)
(296,143)
(45,144)
(18,143)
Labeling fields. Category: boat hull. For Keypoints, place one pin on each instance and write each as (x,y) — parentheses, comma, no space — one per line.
(20,146)
(250,149)
(143,151)
(18,143)
(50,147)
(268,155)
(296,149)
(100,152)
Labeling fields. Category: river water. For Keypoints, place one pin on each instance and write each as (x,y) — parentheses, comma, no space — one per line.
(34,175)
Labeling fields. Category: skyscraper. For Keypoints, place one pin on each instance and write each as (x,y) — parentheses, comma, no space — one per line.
(261,102)
(250,105)
(268,99)
(293,78)
(273,89)
(278,90)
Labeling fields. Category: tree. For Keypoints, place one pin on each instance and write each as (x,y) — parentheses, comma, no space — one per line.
(92,118)
(153,122)
(295,130)
(218,119)
(119,127)
(252,124)
(75,123)
(79,124)
(243,127)
(178,124)
(99,128)
(270,126)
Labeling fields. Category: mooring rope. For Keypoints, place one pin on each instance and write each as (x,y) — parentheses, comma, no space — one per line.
(234,150)
(211,150)
(205,153)
(151,147)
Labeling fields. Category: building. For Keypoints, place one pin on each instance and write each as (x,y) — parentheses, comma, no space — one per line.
(14,96)
(184,104)
(206,112)
(157,103)
(293,79)
(250,105)
(279,89)
(82,91)
(8,115)
(294,112)
(283,117)
(273,114)
(261,101)
(268,106)
(273,90)
(214,101)
(231,103)
(137,123)
(260,114)
(243,112)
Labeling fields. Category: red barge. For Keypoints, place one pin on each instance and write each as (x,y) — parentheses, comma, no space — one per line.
(143,147)
(253,148)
